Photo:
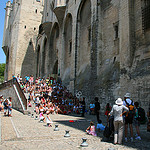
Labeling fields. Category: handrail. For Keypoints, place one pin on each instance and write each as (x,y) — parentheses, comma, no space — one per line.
(24,100)
(15,82)
(6,84)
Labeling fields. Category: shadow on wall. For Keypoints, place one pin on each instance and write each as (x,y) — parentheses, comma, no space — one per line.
(29,65)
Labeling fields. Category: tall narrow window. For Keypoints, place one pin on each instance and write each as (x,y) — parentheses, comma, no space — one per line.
(116,29)
(146,14)
(70,46)
(30,43)
(36,11)
(89,34)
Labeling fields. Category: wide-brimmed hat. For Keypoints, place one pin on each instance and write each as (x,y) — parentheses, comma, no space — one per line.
(119,101)
(127,95)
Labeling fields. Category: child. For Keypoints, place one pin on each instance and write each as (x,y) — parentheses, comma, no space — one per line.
(49,121)
(42,118)
(100,126)
(91,129)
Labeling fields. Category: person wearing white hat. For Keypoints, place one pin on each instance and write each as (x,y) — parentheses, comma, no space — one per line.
(117,111)
(129,116)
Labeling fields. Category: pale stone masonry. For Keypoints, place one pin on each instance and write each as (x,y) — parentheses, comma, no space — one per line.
(98,47)
(22,21)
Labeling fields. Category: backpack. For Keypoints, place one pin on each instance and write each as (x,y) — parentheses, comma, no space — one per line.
(109,128)
(131,112)
(141,115)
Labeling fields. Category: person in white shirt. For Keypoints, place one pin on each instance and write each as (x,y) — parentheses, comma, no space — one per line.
(117,111)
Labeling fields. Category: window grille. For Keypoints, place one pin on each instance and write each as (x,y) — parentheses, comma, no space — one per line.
(146,14)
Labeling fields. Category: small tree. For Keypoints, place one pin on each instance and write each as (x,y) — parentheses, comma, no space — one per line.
(2,70)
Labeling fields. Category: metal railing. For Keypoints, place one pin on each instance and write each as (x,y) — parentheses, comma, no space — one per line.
(7,84)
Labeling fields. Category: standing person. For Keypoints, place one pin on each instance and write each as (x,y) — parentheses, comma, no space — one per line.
(5,106)
(136,120)
(107,111)
(118,111)
(83,106)
(10,107)
(129,116)
(97,108)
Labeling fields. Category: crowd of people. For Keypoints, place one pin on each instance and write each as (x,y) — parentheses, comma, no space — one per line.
(129,113)
(49,96)
(124,113)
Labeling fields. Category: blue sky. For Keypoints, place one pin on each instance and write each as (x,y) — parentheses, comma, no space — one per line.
(2,18)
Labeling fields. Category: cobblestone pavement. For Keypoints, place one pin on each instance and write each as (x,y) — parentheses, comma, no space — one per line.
(21,132)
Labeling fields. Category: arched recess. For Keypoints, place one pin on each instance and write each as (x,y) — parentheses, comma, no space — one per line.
(55,68)
(54,48)
(43,58)
(83,36)
(38,62)
(67,44)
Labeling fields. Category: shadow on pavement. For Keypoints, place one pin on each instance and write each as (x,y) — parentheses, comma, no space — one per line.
(84,122)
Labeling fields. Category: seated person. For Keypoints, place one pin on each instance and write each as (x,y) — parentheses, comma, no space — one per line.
(91,129)
(100,126)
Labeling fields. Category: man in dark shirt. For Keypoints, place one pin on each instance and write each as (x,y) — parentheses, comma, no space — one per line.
(97,108)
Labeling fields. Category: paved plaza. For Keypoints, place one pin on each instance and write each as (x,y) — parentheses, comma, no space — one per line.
(21,132)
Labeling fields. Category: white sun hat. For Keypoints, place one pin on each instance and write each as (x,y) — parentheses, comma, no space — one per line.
(127,95)
(119,101)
